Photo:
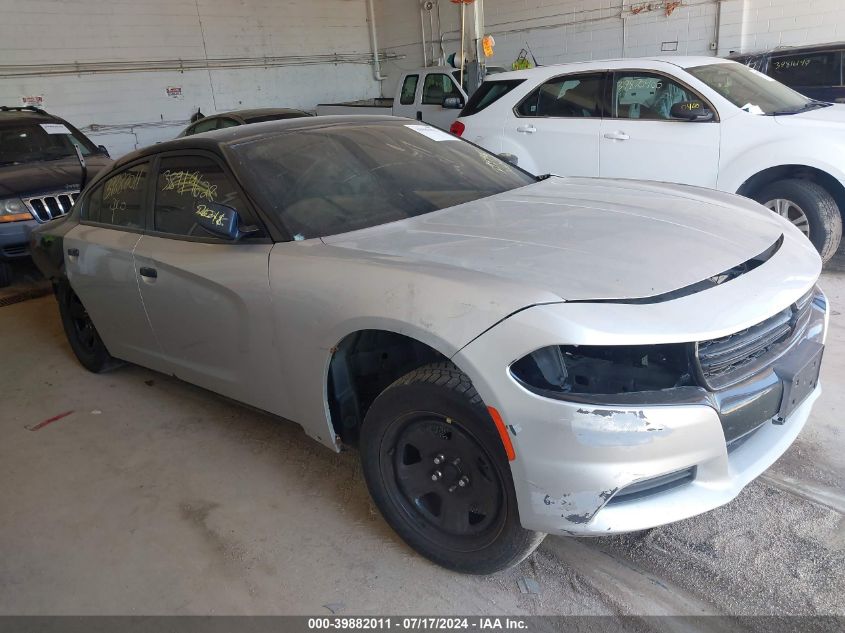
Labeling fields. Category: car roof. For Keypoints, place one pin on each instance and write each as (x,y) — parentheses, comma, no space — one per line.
(257,112)
(18,115)
(217,139)
(681,61)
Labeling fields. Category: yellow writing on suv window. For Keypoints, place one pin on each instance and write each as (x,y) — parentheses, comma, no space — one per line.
(189,182)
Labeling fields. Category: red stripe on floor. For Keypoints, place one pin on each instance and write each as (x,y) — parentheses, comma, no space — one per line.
(41,425)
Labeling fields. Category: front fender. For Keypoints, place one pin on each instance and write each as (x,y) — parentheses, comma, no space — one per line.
(826,157)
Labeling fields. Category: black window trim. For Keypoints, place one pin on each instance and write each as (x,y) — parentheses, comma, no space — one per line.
(601,71)
(101,183)
(611,86)
(249,213)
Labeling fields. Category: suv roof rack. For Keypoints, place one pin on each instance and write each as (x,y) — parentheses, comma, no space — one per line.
(21,108)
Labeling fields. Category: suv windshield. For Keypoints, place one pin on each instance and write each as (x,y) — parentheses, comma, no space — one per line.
(326,180)
(29,142)
(751,90)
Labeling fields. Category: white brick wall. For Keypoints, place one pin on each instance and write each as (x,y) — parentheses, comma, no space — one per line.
(65,31)
(573,30)
(750,25)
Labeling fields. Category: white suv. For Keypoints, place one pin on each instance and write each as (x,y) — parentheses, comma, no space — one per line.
(693,120)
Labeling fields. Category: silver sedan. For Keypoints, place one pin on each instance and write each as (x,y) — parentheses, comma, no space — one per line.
(512,355)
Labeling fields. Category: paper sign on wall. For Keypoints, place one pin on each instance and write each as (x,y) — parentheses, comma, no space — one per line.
(174,92)
(55,128)
(33,100)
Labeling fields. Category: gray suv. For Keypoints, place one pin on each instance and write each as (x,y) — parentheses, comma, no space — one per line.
(40,175)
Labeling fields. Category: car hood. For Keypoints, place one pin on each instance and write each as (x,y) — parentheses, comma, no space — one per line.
(582,238)
(49,175)
(830,117)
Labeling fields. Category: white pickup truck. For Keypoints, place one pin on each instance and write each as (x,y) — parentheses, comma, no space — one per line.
(691,120)
(433,95)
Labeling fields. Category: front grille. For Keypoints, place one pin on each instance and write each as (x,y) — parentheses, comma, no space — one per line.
(51,205)
(725,358)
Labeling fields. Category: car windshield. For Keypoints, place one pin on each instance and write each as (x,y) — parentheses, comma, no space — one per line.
(326,180)
(751,90)
(31,142)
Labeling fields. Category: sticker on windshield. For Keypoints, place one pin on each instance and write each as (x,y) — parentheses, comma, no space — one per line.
(432,132)
(752,108)
(55,128)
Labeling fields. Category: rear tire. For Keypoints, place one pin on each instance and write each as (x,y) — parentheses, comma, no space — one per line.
(810,207)
(81,333)
(6,274)
(424,435)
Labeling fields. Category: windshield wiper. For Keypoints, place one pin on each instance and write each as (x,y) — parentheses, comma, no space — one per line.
(812,105)
(543,177)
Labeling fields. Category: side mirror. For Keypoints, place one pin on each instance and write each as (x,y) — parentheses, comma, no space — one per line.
(103,151)
(691,111)
(453,103)
(221,220)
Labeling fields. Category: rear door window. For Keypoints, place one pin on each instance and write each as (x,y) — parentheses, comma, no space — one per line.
(184,188)
(409,89)
(570,96)
(489,93)
(206,125)
(119,200)
(437,87)
(816,69)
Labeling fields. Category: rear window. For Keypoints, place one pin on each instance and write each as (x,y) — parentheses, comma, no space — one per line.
(817,69)
(488,93)
(276,117)
(327,180)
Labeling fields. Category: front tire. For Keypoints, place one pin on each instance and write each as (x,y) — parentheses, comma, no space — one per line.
(81,333)
(810,208)
(437,470)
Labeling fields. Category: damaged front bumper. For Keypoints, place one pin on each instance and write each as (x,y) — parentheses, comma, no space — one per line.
(593,468)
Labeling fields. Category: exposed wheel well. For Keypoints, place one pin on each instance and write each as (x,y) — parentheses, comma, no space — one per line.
(363,365)
(753,185)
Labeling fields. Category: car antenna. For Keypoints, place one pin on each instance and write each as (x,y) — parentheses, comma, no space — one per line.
(82,165)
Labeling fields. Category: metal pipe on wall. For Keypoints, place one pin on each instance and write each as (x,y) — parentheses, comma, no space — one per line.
(374,42)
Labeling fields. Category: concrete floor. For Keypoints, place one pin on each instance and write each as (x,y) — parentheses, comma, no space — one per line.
(155,497)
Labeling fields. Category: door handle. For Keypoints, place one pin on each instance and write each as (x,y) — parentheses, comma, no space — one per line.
(526,129)
(146,271)
(73,252)
(617,136)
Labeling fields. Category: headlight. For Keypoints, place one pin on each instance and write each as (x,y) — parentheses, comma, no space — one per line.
(604,369)
(13,210)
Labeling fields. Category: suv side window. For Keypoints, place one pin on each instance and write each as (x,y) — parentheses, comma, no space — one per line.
(409,89)
(437,87)
(648,96)
(570,96)
(185,185)
(816,69)
(119,200)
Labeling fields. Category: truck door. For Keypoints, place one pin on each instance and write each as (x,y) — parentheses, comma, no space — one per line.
(436,88)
